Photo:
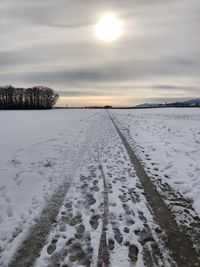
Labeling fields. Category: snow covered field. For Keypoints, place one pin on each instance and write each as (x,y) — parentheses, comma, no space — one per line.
(38,150)
(168,142)
(104,217)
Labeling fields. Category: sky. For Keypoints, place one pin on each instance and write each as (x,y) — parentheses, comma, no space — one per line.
(53,43)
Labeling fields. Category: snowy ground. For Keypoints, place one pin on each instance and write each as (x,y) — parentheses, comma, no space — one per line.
(105,218)
(168,142)
(38,150)
(75,239)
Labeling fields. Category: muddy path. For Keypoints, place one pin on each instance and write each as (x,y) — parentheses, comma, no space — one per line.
(179,244)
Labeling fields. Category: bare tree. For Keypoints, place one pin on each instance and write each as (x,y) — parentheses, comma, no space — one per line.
(38,97)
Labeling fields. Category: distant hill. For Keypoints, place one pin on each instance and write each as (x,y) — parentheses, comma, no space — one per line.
(187,103)
(193,102)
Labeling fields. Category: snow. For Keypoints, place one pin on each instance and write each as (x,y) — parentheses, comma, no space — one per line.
(106,150)
(41,149)
(168,142)
(38,150)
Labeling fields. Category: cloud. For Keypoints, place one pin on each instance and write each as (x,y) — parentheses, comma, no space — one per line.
(124,71)
(53,43)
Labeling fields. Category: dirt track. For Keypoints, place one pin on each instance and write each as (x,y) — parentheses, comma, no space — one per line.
(96,225)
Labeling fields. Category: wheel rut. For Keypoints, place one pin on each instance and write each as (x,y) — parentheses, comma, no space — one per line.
(103,256)
(178,242)
(29,251)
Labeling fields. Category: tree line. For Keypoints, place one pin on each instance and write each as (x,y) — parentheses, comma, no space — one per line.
(38,97)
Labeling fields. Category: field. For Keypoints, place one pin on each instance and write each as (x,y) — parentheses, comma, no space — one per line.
(97,188)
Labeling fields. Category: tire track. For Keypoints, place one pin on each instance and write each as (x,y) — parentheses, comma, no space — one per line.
(179,244)
(103,256)
(28,252)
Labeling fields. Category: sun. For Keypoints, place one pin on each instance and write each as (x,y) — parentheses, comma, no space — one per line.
(109,28)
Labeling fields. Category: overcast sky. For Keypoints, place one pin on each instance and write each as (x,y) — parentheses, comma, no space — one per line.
(53,43)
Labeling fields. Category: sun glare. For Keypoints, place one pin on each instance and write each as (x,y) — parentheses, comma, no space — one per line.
(109,28)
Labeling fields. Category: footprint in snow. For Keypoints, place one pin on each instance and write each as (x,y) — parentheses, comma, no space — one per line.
(133,253)
(2,188)
(9,211)
(94,221)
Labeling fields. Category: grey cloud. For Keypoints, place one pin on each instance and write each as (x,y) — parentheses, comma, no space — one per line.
(82,92)
(46,42)
(105,90)
(117,72)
